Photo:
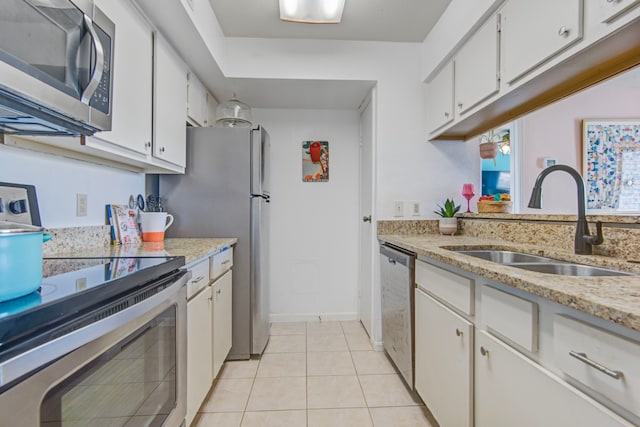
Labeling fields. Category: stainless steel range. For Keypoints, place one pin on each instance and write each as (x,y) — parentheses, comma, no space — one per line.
(102,342)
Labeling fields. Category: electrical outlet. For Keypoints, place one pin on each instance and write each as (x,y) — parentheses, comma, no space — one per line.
(81,204)
(398,208)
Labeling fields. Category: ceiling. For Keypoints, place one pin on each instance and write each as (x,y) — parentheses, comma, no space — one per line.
(373,20)
(362,20)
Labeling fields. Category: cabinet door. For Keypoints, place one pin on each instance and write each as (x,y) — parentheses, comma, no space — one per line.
(212,105)
(132,76)
(170,105)
(199,375)
(512,390)
(222,322)
(444,362)
(476,67)
(534,31)
(197,101)
(440,99)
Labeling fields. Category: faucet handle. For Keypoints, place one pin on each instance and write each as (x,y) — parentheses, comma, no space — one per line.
(597,239)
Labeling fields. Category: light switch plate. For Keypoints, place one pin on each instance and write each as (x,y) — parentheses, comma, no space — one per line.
(415,208)
(81,204)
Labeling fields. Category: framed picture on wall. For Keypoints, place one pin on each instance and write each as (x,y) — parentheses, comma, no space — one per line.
(315,161)
(611,164)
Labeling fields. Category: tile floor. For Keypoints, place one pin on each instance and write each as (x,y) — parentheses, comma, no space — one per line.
(316,375)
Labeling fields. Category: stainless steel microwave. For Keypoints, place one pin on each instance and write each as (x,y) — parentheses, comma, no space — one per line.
(56,67)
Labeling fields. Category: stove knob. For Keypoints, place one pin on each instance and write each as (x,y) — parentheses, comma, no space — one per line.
(18,206)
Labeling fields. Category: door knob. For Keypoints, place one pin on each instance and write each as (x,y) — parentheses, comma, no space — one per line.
(366,218)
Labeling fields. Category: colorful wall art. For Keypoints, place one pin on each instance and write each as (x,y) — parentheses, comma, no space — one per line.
(611,164)
(315,161)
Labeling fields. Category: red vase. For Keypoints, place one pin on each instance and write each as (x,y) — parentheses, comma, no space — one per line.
(315,149)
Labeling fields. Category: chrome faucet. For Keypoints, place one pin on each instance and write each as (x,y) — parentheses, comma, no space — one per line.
(584,242)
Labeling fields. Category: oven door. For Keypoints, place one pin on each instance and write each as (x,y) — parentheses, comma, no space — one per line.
(132,373)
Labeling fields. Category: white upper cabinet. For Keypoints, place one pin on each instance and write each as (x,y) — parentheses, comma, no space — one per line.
(440,99)
(534,31)
(212,105)
(170,105)
(132,68)
(197,108)
(477,67)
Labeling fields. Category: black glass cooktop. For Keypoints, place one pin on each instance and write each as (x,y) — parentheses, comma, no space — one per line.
(71,287)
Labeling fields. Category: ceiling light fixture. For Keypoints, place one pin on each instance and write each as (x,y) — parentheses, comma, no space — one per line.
(312,11)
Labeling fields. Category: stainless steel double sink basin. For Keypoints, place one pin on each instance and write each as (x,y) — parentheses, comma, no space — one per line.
(540,264)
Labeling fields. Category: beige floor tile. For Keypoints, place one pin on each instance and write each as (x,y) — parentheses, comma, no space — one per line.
(275,419)
(283,365)
(270,394)
(330,363)
(386,390)
(351,417)
(223,419)
(372,362)
(358,341)
(324,328)
(229,395)
(326,342)
(288,328)
(352,326)
(286,344)
(334,392)
(240,369)
(409,416)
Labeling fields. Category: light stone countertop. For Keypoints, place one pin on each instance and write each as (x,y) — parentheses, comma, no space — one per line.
(612,298)
(192,249)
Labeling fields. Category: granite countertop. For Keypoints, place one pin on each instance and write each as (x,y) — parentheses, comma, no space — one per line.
(192,249)
(612,298)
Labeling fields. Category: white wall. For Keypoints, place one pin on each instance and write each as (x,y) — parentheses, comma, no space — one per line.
(556,131)
(59,179)
(314,228)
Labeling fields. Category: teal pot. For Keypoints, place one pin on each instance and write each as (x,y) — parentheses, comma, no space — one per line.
(20,259)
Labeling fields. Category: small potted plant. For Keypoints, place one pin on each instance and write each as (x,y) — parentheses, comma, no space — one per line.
(448,224)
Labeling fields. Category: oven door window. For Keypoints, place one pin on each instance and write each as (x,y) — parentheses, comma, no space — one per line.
(132,383)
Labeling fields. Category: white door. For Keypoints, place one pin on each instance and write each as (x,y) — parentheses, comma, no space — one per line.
(367,229)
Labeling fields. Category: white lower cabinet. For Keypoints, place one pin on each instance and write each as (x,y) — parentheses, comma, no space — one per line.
(222,313)
(512,390)
(199,344)
(444,362)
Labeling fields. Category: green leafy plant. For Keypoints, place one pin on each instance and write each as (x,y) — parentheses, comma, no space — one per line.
(448,210)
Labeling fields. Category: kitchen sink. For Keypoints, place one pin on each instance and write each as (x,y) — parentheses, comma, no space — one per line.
(504,257)
(540,264)
(566,269)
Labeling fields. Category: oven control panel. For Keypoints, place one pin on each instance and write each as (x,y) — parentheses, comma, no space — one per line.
(18,203)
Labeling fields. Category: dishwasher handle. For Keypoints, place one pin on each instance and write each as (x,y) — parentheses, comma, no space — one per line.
(396,256)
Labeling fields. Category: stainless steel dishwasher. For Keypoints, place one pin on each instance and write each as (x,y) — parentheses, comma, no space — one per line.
(397,283)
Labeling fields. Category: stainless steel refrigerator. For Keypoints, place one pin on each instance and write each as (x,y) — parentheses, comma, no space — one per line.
(225,193)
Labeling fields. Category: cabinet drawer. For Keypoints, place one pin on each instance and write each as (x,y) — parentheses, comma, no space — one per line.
(600,351)
(609,10)
(221,262)
(449,287)
(510,316)
(199,278)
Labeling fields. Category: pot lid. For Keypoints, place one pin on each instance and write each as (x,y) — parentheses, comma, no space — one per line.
(7,227)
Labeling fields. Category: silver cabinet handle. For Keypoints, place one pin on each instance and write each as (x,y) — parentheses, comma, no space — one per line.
(218,291)
(459,104)
(484,351)
(446,114)
(225,262)
(162,149)
(459,332)
(99,70)
(584,359)
(366,218)
(198,279)
(563,31)
(392,261)
(147,144)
